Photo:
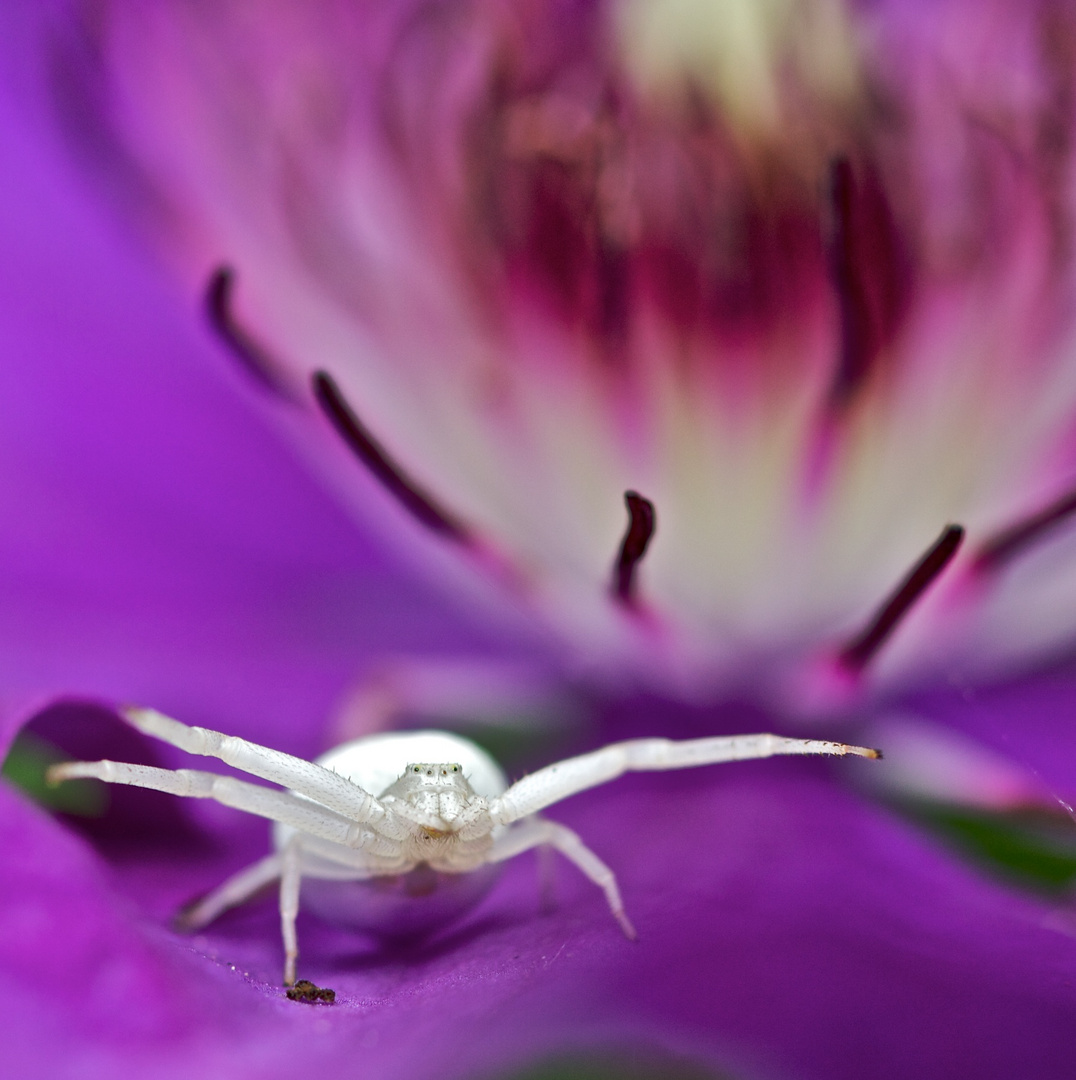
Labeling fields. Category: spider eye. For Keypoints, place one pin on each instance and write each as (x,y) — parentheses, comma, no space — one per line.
(417,768)
(455,768)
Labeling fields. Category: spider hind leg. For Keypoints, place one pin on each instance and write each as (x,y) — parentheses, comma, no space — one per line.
(239,888)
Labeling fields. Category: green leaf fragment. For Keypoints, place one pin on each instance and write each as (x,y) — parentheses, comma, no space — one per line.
(24,768)
(613,1066)
(1034,848)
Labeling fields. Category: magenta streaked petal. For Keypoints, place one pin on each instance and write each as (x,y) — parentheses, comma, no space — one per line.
(926,761)
(1026,720)
(542,274)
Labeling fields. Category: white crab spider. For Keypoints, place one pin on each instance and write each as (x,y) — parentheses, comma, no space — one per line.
(442,803)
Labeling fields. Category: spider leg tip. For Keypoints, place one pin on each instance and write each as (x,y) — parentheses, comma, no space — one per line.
(864,751)
(56,774)
(627,927)
(185,920)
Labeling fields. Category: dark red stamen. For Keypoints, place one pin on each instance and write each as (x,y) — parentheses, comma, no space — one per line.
(1014,540)
(857,332)
(255,358)
(641,524)
(872,274)
(855,656)
(373,455)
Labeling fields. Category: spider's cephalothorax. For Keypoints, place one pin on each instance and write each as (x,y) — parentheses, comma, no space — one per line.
(451,812)
(435,796)
(449,826)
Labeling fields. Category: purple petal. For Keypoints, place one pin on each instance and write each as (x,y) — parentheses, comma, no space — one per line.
(543,282)
(159,541)
(1029,720)
(786,929)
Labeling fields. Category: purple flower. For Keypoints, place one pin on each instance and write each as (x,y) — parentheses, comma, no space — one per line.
(797,275)
(485,227)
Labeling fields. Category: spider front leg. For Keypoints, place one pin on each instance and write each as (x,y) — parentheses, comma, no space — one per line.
(307,777)
(538,832)
(565,778)
(301,814)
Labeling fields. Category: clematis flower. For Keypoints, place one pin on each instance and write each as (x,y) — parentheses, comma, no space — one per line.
(798,274)
(544,254)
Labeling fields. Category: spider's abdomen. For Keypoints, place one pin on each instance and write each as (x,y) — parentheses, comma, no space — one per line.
(418,902)
(435,874)
(377,762)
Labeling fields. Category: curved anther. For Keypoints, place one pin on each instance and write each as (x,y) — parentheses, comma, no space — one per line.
(251,354)
(407,492)
(860,650)
(1013,541)
(641,525)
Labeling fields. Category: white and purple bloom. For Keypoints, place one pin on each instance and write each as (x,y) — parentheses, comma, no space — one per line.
(800,275)
(812,305)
